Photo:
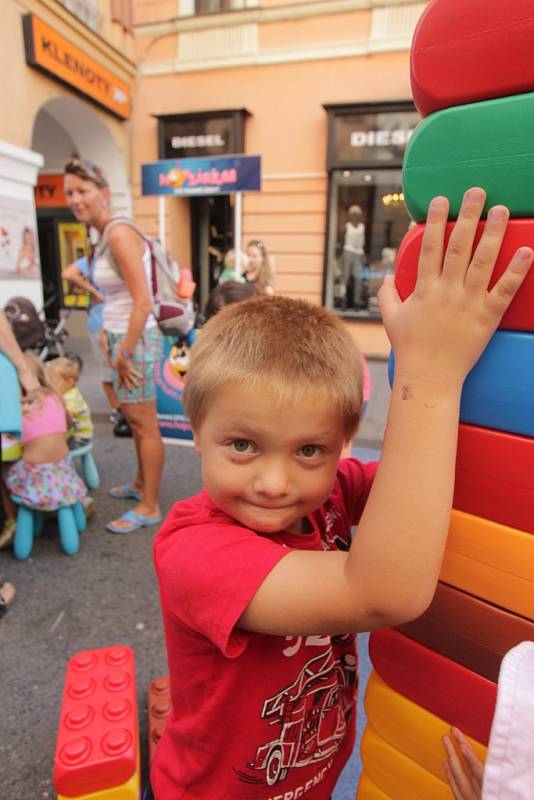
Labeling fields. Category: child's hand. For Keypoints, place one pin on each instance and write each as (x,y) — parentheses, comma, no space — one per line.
(465,779)
(439,332)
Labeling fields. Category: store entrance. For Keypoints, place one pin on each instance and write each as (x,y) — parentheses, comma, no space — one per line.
(212,235)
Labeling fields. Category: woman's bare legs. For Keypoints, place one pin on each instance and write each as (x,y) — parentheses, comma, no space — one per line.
(143,421)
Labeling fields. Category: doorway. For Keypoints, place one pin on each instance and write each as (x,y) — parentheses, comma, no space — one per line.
(212,235)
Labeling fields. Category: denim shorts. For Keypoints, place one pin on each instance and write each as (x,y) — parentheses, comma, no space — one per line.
(146,355)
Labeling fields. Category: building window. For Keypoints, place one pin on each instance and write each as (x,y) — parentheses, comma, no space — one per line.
(367,217)
(84,10)
(218,6)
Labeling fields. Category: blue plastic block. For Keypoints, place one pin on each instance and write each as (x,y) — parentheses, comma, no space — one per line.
(498,393)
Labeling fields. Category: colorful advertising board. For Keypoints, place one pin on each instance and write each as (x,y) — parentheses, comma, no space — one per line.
(170,374)
(188,177)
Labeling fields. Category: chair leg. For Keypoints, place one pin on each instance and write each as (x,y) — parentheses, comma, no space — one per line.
(90,471)
(22,546)
(68,532)
(79,517)
(38,520)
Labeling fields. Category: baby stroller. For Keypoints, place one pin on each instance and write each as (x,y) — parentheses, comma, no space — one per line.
(34,332)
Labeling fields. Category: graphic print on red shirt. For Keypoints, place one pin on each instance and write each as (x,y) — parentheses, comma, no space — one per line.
(255,717)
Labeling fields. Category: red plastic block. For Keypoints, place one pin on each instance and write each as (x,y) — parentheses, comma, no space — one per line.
(443,687)
(98,738)
(463,52)
(159,708)
(495,476)
(468,630)
(520,232)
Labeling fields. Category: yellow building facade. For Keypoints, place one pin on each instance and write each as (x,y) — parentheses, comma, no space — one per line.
(320,90)
(68,84)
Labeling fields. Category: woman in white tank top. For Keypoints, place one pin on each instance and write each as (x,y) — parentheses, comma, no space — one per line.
(134,341)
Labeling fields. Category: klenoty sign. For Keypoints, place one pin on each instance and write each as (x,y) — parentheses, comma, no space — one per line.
(202,176)
(49,51)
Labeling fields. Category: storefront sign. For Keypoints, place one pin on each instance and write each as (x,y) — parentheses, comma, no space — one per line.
(49,192)
(217,133)
(202,176)
(370,139)
(49,52)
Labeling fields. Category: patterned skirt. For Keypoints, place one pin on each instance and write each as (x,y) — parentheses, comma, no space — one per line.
(45,486)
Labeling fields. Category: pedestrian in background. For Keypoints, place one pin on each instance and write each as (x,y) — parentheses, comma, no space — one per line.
(80,273)
(259,270)
(12,363)
(123,271)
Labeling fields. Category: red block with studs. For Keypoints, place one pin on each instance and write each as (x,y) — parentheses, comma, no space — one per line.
(98,739)
(159,708)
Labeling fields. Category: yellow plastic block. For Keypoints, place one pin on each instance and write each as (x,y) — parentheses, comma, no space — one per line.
(410,729)
(367,790)
(396,775)
(131,790)
(491,561)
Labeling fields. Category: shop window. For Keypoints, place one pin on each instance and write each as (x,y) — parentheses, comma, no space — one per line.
(368,221)
(218,6)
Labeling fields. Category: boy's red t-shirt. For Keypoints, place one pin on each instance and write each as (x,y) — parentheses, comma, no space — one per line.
(255,717)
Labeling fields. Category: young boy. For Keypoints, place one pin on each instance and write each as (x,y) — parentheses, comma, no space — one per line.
(64,374)
(261,590)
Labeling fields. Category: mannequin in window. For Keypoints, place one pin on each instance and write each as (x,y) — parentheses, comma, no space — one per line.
(353,256)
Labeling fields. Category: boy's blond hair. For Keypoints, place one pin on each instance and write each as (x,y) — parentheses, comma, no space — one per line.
(300,349)
(65,367)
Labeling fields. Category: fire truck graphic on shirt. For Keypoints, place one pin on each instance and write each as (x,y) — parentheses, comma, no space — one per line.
(311,715)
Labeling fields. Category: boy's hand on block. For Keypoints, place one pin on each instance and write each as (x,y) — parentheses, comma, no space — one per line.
(439,332)
(464,774)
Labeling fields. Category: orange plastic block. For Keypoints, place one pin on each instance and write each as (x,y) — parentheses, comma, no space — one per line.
(396,775)
(491,561)
(131,790)
(159,708)
(409,728)
(98,740)
(367,790)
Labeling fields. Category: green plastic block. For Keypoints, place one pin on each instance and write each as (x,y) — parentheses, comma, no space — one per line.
(488,144)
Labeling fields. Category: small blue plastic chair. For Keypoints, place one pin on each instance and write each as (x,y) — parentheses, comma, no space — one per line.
(30,522)
(89,468)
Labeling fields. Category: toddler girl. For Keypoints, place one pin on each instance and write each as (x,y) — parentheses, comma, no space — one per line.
(44,478)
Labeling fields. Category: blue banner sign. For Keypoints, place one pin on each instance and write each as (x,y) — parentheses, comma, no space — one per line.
(202,176)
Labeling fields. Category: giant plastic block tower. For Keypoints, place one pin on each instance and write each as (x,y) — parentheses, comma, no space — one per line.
(472,72)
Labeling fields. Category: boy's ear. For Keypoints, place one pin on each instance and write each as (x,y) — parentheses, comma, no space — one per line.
(196,442)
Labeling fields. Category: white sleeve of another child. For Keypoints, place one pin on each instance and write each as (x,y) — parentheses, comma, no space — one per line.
(509,770)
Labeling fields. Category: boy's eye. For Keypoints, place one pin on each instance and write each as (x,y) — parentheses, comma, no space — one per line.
(242,446)
(310,450)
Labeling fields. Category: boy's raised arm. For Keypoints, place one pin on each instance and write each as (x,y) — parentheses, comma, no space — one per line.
(438,333)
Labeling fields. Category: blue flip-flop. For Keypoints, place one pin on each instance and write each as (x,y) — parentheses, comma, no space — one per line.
(124,492)
(138,520)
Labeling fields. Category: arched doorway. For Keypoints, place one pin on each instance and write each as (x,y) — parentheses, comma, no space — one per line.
(64,127)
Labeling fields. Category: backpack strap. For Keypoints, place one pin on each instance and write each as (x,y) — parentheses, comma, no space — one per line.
(103,244)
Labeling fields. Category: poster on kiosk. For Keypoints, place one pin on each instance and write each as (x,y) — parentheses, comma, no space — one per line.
(189,177)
